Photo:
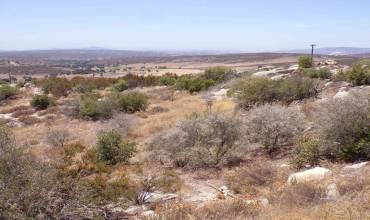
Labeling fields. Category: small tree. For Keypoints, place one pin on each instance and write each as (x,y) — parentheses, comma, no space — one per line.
(305,62)
(112,150)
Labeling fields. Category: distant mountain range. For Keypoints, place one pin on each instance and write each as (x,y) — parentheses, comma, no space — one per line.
(333,51)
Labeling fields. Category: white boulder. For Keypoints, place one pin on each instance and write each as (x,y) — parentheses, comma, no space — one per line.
(315,174)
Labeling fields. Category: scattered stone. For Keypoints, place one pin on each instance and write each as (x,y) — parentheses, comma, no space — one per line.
(315,174)
(284,165)
(332,192)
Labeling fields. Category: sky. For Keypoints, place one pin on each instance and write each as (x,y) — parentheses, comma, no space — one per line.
(222,25)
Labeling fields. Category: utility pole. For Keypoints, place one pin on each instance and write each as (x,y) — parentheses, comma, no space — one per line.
(312,54)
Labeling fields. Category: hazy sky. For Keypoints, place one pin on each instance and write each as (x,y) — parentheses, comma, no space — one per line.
(243,25)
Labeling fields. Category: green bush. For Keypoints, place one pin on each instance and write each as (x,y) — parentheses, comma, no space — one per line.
(41,102)
(133,102)
(7,91)
(56,86)
(323,73)
(112,150)
(305,62)
(91,106)
(167,80)
(360,73)
(193,83)
(307,153)
(261,90)
(217,74)
(120,86)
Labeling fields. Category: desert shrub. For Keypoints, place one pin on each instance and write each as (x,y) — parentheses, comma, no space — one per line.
(84,88)
(134,80)
(88,108)
(323,73)
(200,141)
(58,137)
(305,62)
(120,86)
(7,91)
(274,125)
(344,126)
(217,74)
(112,149)
(307,152)
(133,102)
(91,106)
(193,83)
(56,86)
(41,102)
(262,90)
(248,178)
(168,80)
(360,73)
(100,189)
(27,187)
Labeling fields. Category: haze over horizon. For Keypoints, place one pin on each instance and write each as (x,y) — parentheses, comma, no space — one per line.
(235,25)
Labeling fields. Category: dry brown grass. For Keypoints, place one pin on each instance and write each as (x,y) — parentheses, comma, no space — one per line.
(184,105)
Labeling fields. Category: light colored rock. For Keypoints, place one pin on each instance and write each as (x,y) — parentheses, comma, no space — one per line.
(278,77)
(332,192)
(265,73)
(341,94)
(148,213)
(220,94)
(284,165)
(355,166)
(315,174)
(225,191)
(160,197)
